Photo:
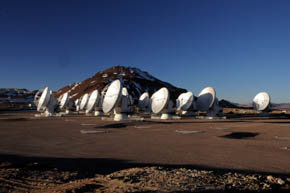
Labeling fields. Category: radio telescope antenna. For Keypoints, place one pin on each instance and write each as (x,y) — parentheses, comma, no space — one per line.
(77,104)
(144,102)
(116,98)
(64,100)
(65,103)
(44,99)
(207,101)
(46,103)
(184,102)
(160,103)
(84,101)
(37,97)
(92,101)
(123,107)
(112,96)
(129,100)
(98,108)
(262,102)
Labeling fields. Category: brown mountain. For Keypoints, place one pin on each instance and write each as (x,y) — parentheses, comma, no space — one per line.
(134,79)
(227,104)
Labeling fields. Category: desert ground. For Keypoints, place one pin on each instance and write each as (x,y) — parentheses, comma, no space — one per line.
(86,154)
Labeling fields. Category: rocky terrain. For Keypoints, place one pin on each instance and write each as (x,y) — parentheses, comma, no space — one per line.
(34,177)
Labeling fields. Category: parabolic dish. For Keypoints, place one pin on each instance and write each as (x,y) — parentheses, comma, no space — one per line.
(184,101)
(112,96)
(37,97)
(205,99)
(64,100)
(84,101)
(144,100)
(261,101)
(44,99)
(77,102)
(93,100)
(159,100)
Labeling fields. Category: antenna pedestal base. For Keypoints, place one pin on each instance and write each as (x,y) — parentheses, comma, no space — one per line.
(120,117)
(166,116)
(153,116)
(187,113)
(68,112)
(98,113)
(263,114)
(46,114)
(88,112)
(215,112)
(212,114)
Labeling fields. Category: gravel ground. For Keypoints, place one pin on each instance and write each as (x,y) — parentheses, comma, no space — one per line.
(34,177)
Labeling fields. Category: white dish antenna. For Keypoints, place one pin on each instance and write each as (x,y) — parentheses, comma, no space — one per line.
(127,100)
(205,99)
(112,96)
(261,101)
(46,103)
(44,99)
(159,100)
(77,104)
(84,101)
(64,100)
(144,100)
(37,97)
(93,100)
(184,101)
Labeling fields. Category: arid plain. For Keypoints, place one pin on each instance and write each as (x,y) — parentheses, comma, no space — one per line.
(68,153)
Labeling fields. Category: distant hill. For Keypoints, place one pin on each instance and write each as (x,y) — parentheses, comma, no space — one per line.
(281,106)
(16,99)
(15,95)
(274,106)
(134,79)
(227,104)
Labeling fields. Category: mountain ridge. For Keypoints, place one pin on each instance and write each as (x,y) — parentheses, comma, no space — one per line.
(134,79)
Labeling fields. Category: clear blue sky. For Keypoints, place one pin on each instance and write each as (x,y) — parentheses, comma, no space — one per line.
(240,47)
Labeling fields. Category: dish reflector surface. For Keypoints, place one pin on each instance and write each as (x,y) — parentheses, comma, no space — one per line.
(261,101)
(205,99)
(44,99)
(112,96)
(144,100)
(160,100)
(64,100)
(94,98)
(84,101)
(184,101)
